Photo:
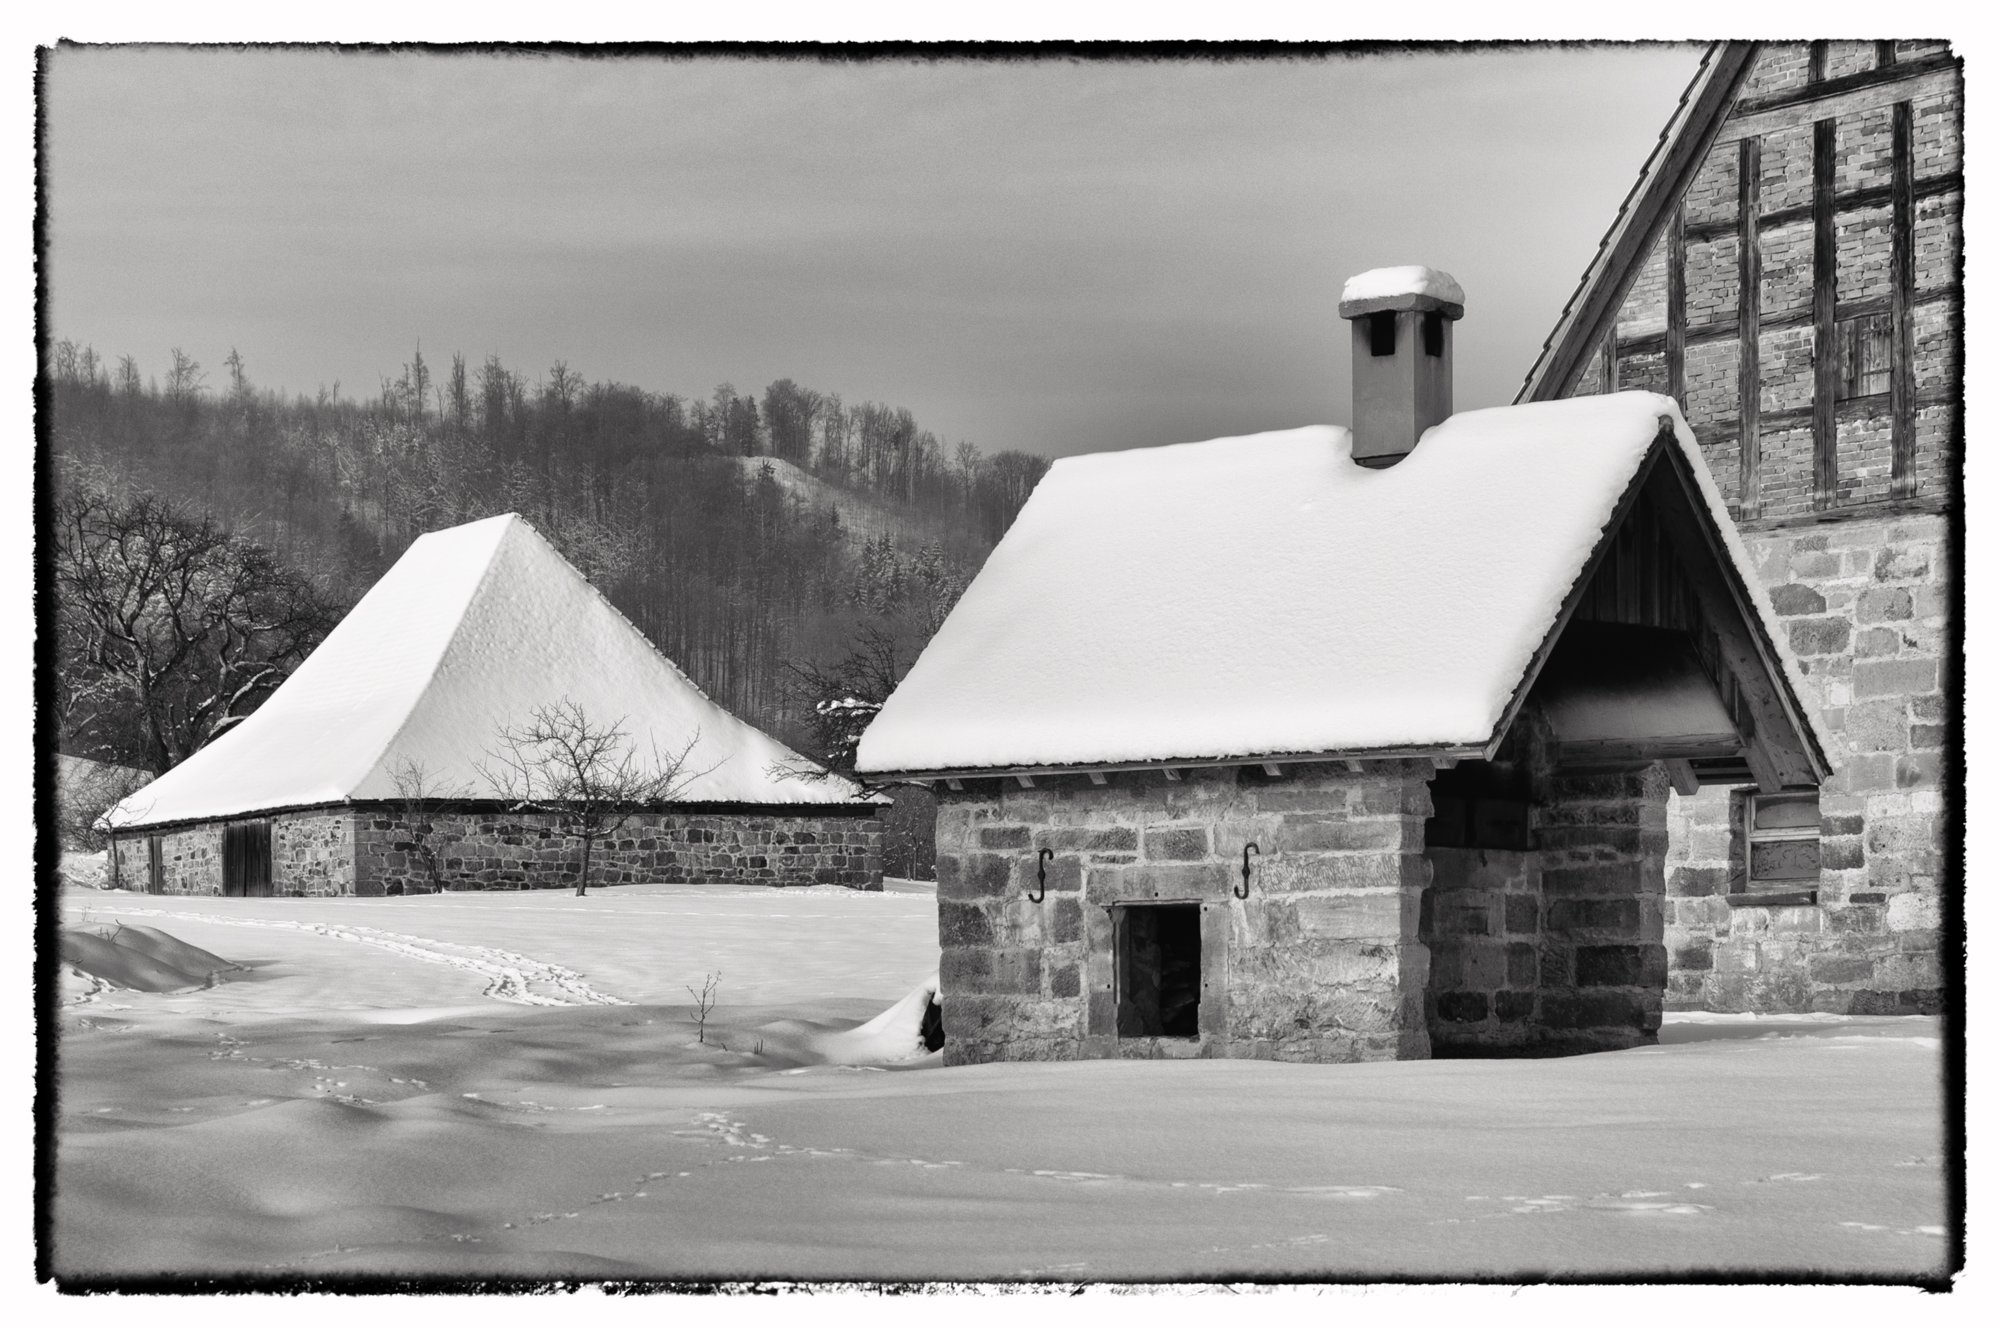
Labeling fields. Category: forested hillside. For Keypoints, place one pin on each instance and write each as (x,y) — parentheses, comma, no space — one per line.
(861,525)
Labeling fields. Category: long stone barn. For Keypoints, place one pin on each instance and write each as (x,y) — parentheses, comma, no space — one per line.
(1787,268)
(1332,745)
(374,769)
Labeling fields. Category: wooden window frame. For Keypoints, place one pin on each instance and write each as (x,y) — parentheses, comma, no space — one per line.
(1858,376)
(1748,890)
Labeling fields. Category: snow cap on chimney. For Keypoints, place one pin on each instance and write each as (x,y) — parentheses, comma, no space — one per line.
(1402,321)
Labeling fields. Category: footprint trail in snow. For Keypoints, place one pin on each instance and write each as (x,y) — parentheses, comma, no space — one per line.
(511,977)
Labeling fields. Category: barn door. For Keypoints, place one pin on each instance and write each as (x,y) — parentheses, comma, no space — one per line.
(154,884)
(246,858)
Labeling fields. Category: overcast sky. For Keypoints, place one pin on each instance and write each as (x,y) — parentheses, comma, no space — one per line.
(1055,256)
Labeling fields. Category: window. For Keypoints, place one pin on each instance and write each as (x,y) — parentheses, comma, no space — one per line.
(1781,846)
(1159,970)
(1382,333)
(1864,355)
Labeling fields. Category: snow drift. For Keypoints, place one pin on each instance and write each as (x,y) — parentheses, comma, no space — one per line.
(143,959)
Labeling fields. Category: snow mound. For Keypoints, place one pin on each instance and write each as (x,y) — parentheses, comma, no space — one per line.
(84,871)
(140,958)
(896,1035)
(1415,279)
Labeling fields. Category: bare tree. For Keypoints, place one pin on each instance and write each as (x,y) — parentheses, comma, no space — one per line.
(184,377)
(85,791)
(585,773)
(704,1002)
(423,801)
(843,698)
(188,626)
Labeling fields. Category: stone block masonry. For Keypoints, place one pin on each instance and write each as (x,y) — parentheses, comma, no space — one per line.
(1560,948)
(1321,962)
(375,851)
(510,851)
(1865,606)
(1858,569)
(190,861)
(312,853)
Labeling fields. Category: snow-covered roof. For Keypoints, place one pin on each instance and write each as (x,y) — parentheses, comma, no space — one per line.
(1265,595)
(1379,287)
(471,629)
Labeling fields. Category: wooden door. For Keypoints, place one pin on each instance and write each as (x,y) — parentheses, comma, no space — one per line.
(246,858)
(155,883)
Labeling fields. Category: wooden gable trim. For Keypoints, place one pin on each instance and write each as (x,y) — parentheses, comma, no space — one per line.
(1780,741)
(1577,590)
(1778,744)
(1592,311)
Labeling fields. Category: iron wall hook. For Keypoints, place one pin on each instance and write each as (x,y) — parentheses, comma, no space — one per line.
(1041,876)
(1243,892)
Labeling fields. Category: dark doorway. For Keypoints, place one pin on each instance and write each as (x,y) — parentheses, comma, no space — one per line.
(246,858)
(154,883)
(1159,970)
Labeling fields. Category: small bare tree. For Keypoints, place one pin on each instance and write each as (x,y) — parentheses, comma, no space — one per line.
(585,773)
(704,1002)
(423,801)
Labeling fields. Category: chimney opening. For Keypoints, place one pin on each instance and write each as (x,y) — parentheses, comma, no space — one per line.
(1433,333)
(1382,333)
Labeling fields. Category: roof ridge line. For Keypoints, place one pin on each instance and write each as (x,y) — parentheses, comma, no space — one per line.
(669,660)
(451,639)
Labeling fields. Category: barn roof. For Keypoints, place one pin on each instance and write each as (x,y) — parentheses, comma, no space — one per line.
(471,629)
(1265,596)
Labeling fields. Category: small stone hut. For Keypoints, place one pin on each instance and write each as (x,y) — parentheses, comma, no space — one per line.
(370,766)
(1331,745)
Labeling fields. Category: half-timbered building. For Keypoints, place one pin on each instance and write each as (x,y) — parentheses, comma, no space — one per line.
(1787,269)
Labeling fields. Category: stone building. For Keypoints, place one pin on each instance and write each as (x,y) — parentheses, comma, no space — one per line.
(1328,745)
(1787,269)
(371,770)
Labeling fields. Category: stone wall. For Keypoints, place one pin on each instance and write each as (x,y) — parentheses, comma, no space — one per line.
(494,851)
(1862,581)
(1320,963)
(1558,949)
(312,853)
(364,851)
(1866,606)
(1482,920)
(190,861)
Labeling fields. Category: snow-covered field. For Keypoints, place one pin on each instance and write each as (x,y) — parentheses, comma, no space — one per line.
(510,1084)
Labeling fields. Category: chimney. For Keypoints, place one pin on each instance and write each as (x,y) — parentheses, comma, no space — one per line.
(1402,357)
